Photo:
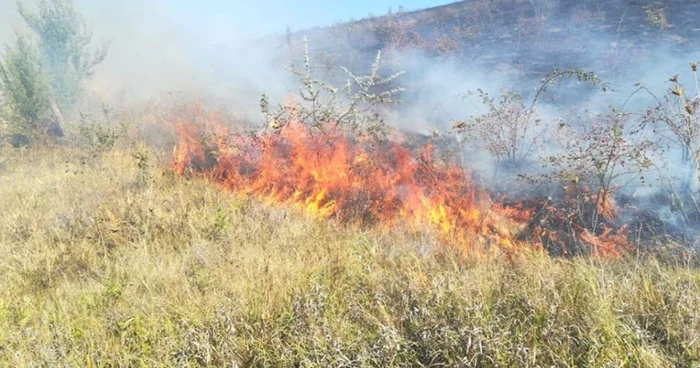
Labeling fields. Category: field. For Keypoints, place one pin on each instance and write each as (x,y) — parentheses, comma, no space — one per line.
(112,260)
(424,205)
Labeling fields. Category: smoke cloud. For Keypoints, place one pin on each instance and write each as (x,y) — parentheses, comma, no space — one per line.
(164,49)
(174,50)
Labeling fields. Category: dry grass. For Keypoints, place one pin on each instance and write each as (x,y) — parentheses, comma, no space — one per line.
(114,262)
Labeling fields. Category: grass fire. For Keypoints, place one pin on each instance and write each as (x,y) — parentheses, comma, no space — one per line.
(474,184)
(363,182)
(355,182)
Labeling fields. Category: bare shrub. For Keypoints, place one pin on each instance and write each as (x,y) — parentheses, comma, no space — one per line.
(599,157)
(676,120)
(353,107)
(505,131)
(510,131)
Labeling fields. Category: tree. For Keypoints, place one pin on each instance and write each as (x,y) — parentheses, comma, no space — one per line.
(23,87)
(65,42)
(54,75)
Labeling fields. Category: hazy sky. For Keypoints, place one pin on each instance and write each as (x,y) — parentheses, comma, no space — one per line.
(265,16)
(213,23)
(164,45)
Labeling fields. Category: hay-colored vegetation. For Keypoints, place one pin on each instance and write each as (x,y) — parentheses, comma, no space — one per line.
(113,261)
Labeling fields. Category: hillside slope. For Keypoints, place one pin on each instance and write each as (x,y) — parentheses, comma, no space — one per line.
(612,37)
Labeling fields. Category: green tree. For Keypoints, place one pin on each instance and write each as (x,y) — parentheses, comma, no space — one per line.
(24,89)
(66,47)
(44,71)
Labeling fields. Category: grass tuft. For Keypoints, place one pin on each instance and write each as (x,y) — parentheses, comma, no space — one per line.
(112,262)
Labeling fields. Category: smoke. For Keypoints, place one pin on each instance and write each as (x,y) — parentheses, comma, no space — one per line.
(231,54)
(8,20)
(212,50)
(155,52)
(226,53)
(164,49)
(158,50)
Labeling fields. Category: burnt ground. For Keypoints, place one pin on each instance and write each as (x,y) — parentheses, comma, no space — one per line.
(525,38)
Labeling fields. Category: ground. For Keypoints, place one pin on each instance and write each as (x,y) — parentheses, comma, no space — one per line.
(108,259)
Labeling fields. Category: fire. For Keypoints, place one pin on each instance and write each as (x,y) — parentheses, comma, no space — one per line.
(365,183)
(335,177)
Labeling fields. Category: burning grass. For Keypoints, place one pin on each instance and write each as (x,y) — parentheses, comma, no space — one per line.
(379,184)
(364,183)
(111,262)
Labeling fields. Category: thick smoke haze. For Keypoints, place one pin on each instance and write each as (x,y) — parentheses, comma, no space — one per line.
(231,54)
(209,50)
(154,51)
(221,52)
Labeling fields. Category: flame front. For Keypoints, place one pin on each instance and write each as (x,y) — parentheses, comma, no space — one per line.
(355,182)
(367,183)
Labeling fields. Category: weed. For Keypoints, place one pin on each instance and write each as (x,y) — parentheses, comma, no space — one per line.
(656,16)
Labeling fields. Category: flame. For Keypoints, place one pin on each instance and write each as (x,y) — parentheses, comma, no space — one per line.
(380,184)
(335,177)
(608,243)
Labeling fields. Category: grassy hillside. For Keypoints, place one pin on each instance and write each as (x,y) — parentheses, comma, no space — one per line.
(119,247)
(112,261)
(523,39)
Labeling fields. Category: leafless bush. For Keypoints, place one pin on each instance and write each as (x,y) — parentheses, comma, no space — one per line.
(505,131)
(510,130)
(598,158)
(676,121)
(354,106)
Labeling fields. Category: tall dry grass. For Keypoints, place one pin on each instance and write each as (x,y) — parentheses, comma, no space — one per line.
(109,260)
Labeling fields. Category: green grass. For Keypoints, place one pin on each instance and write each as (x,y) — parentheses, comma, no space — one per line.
(110,262)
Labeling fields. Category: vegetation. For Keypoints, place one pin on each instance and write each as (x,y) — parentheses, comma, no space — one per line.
(42,75)
(510,131)
(112,270)
(352,107)
(656,15)
(675,116)
(23,90)
(66,50)
(111,259)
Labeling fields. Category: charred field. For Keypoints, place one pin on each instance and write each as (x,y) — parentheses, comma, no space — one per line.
(480,184)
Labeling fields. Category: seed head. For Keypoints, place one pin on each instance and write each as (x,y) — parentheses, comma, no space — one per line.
(694,66)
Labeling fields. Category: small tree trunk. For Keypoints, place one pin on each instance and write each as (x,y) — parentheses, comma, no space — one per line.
(57,113)
(57,129)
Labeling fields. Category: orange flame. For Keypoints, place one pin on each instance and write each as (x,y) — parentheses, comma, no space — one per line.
(366,183)
(336,177)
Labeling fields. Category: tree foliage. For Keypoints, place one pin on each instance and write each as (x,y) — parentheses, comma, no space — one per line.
(23,86)
(43,72)
(66,47)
